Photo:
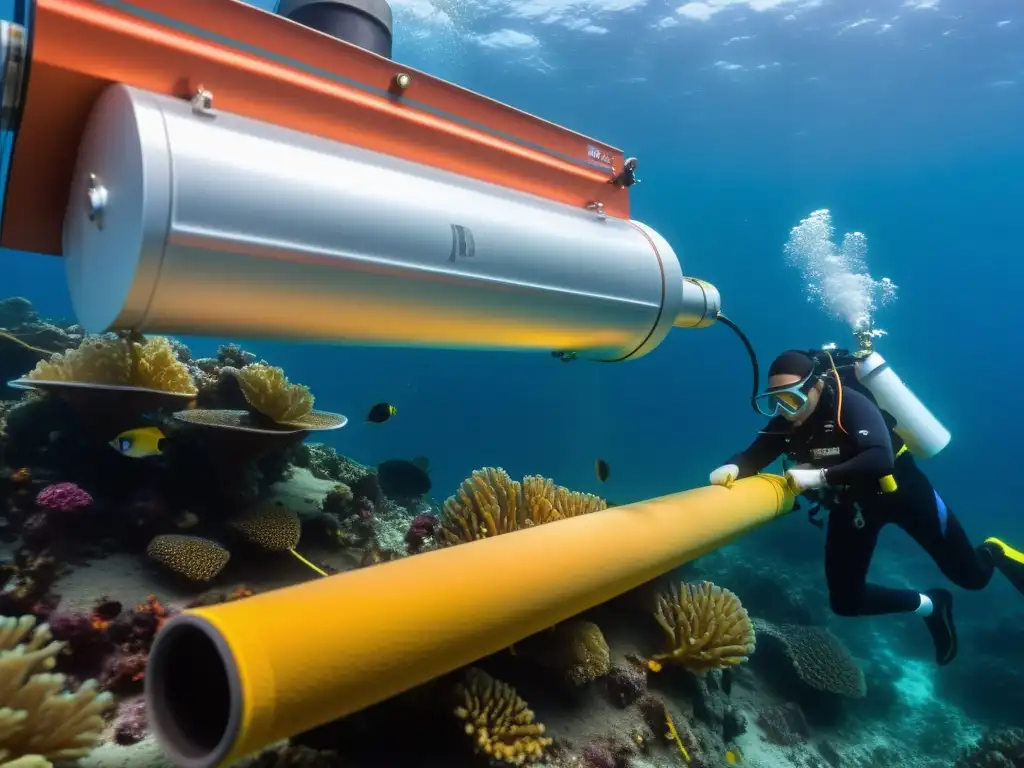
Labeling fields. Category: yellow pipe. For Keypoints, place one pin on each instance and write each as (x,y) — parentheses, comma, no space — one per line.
(227,680)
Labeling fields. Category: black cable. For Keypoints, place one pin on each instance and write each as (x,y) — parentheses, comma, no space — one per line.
(750,352)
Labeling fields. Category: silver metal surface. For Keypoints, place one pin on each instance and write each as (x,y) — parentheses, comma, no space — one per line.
(700,305)
(13,61)
(232,227)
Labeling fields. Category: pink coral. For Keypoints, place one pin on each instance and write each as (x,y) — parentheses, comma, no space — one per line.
(63,497)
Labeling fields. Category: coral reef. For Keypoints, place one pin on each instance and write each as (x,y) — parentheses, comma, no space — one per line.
(87,533)
(706,627)
(490,503)
(500,723)
(38,719)
(997,749)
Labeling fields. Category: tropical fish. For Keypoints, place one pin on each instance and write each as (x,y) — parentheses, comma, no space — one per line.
(140,443)
(399,478)
(733,757)
(380,413)
(602,469)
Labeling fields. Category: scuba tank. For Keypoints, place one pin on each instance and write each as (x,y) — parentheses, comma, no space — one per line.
(868,372)
(921,431)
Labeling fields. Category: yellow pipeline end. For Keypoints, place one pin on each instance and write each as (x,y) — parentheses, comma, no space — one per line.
(227,680)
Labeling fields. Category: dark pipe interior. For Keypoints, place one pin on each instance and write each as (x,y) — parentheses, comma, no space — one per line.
(189,693)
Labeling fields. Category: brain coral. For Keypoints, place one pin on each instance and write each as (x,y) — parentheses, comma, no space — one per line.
(272,527)
(819,658)
(193,557)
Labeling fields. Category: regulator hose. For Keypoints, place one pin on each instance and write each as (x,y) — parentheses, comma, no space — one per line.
(750,352)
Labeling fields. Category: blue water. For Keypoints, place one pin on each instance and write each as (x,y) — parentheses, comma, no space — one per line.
(910,133)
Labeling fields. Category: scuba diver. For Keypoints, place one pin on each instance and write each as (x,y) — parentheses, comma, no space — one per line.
(847,454)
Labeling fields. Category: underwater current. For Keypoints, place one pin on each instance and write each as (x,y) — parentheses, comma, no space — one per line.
(832,167)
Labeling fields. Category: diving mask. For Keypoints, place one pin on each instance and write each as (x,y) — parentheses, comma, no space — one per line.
(788,399)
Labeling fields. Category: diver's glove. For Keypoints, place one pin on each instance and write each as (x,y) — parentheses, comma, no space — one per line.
(801,480)
(725,475)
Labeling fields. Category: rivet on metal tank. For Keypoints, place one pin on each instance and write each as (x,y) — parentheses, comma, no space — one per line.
(366,23)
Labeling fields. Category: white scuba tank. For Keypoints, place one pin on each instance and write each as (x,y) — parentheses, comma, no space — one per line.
(921,431)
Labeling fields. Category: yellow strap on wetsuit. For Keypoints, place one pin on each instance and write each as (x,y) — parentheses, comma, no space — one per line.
(888,483)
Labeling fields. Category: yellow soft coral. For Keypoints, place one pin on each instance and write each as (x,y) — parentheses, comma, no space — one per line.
(114,362)
(576,649)
(156,366)
(39,721)
(268,391)
(490,503)
(499,721)
(98,360)
(706,626)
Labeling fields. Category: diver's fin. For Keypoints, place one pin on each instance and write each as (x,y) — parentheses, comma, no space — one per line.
(1008,560)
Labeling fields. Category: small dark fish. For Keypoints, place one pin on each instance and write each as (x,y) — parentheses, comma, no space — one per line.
(602,469)
(380,413)
(402,479)
(422,462)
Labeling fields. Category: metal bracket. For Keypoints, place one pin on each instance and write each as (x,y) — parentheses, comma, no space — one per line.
(627,178)
(202,102)
(97,197)
(598,208)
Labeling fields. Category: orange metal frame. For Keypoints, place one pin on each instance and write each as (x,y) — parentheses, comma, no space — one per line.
(261,66)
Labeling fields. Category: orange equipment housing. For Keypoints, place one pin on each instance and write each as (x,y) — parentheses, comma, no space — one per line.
(265,67)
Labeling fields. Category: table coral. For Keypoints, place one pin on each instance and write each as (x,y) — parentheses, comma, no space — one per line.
(501,724)
(38,719)
(111,361)
(706,627)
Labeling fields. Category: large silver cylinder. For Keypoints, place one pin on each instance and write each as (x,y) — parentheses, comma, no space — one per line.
(192,221)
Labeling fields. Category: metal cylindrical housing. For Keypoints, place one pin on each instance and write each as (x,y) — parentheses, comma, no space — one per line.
(13,63)
(701,304)
(186,221)
(366,23)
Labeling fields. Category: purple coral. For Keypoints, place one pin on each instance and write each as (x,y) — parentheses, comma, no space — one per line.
(421,528)
(63,497)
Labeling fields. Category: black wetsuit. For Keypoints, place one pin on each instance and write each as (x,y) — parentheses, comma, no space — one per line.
(856,451)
